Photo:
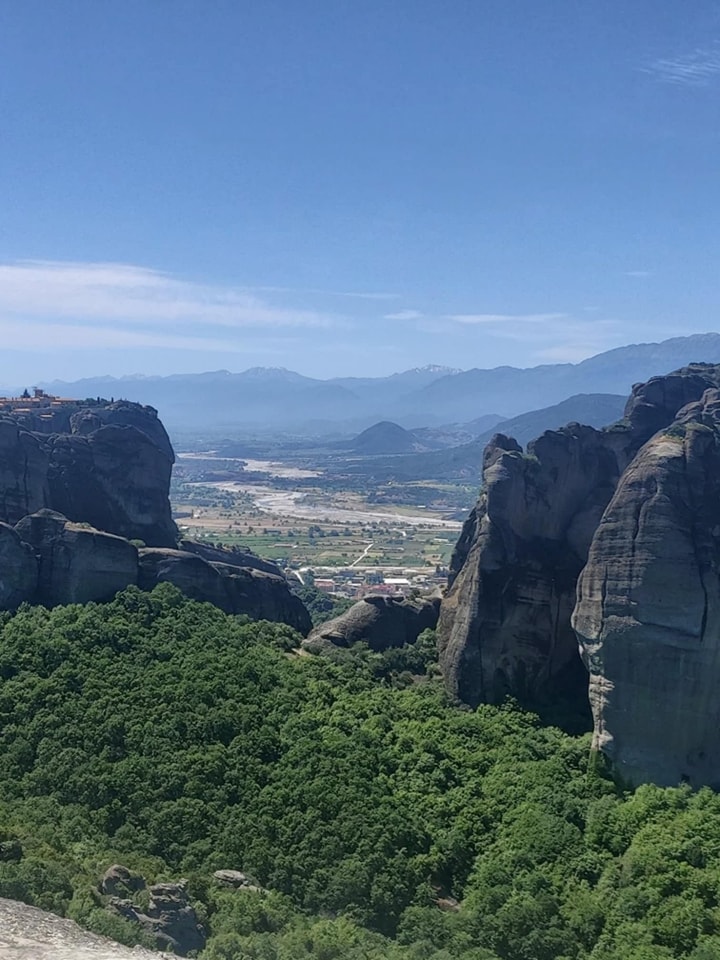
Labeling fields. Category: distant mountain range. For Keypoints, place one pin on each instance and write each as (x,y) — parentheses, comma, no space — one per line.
(281,400)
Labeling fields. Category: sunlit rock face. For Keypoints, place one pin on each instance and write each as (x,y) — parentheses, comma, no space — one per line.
(505,621)
(27,933)
(648,608)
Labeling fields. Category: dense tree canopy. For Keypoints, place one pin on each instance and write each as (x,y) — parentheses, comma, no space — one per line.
(160,733)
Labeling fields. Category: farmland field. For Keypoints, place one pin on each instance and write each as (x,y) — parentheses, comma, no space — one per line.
(291,515)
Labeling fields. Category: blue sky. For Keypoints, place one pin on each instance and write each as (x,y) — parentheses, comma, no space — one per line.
(353,186)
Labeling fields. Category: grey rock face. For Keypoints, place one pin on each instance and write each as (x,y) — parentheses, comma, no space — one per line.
(110,469)
(648,608)
(18,569)
(76,562)
(504,624)
(24,463)
(170,918)
(117,479)
(381,622)
(119,881)
(237,590)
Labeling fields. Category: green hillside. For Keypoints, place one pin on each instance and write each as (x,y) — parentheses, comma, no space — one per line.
(162,734)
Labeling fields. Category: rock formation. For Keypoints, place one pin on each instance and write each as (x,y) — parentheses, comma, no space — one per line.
(169,917)
(379,621)
(75,562)
(239,590)
(648,608)
(504,624)
(18,569)
(110,469)
(50,560)
(80,481)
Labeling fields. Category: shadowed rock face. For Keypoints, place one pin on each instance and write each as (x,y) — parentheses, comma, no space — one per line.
(381,622)
(235,589)
(112,470)
(79,481)
(77,563)
(169,917)
(18,569)
(648,608)
(504,625)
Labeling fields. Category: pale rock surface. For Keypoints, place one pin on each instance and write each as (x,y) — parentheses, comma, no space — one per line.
(27,933)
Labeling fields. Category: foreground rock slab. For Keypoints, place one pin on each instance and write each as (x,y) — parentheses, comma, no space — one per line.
(27,933)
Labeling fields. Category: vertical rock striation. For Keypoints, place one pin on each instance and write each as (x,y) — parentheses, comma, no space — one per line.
(504,625)
(648,608)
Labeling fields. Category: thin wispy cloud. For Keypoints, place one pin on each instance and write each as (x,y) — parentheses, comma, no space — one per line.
(116,304)
(545,337)
(403,315)
(695,69)
(503,319)
(317,291)
(128,293)
(638,274)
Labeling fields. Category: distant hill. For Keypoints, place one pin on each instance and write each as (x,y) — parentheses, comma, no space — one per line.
(277,399)
(593,409)
(385,437)
(481,424)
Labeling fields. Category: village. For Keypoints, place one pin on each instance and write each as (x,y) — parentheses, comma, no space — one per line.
(41,411)
(354,583)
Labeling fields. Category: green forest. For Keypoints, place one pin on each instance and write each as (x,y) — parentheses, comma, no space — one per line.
(382,821)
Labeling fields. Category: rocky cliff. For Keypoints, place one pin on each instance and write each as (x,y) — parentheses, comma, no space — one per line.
(50,560)
(504,623)
(110,467)
(648,607)
(73,505)
(27,933)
